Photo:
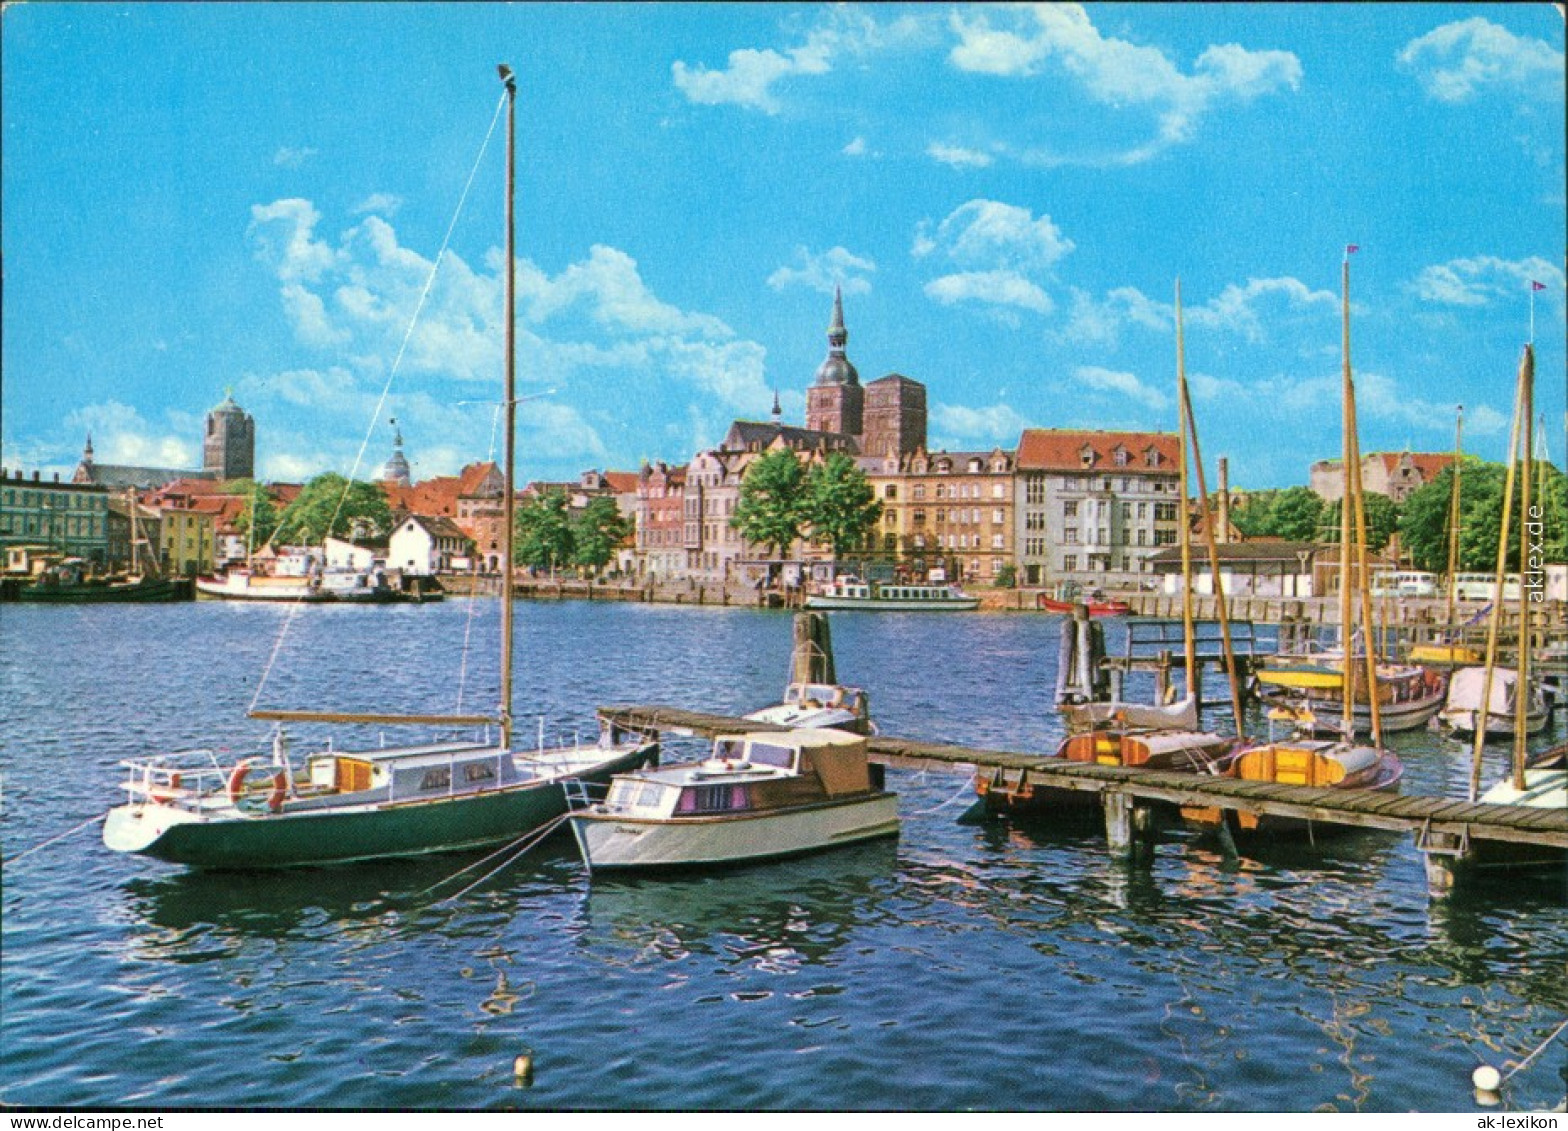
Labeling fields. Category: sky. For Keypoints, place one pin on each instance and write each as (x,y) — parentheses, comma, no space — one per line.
(203,197)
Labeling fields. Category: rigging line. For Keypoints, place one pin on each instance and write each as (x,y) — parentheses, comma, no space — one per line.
(1542,1047)
(468,624)
(54,839)
(386,389)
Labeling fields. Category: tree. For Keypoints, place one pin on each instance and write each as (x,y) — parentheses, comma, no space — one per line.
(544,537)
(839,504)
(1296,515)
(332,505)
(1423,527)
(258,518)
(598,532)
(771,510)
(1382,520)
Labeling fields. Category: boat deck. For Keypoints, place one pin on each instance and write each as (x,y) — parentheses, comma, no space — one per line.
(1445,830)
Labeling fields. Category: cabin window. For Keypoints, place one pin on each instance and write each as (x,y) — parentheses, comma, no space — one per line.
(712,799)
(440,778)
(766,754)
(478,772)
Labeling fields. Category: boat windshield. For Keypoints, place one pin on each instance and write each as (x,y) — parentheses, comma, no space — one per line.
(767,754)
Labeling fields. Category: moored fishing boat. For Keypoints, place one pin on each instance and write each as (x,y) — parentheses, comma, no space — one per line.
(759,796)
(370,803)
(69,583)
(850,593)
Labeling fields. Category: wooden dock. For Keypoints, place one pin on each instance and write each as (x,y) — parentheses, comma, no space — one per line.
(1451,835)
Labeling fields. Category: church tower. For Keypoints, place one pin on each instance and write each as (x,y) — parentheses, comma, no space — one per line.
(835,401)
(396,468)
(229,449)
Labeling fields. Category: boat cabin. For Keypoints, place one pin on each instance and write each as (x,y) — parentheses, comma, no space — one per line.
(747,774)
(440,769)
(813,696)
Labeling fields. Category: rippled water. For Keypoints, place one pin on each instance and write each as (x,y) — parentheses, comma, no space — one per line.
(964,966)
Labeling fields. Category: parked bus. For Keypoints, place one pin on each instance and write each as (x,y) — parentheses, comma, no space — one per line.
(1480,586)
(1404,583)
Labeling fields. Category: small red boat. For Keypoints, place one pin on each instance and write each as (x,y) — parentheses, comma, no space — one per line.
(1100,607)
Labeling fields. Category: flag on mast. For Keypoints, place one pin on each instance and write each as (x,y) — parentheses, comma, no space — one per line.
(1535,286)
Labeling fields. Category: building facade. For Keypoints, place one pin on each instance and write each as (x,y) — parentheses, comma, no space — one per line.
(1395,474)
(1095,506)
(70,520)
(229,446)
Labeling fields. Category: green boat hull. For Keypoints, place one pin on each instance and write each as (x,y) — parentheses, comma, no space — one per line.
(415,828)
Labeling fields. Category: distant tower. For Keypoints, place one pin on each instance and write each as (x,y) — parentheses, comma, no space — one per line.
(229,450)
(396,468)
(834,402)
(84,469)
(895,417)
(778,413)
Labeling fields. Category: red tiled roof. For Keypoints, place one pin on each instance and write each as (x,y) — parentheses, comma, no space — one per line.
(1429,464)
(472,477)
(621,482)
(1053,449)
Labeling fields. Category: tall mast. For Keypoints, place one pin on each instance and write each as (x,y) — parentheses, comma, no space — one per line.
(1526,519)
(1453,526)
(510,402)
(1349,670)
(1189,646)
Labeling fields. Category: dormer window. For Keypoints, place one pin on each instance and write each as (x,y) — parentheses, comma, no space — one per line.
(1086,456)
(1120,456)
(1152,457)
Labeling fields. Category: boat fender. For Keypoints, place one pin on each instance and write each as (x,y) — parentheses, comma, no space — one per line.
(280,789)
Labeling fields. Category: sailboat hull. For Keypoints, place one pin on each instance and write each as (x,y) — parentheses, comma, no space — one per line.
(368,832)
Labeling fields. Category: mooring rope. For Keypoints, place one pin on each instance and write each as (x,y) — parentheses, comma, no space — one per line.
(386,389)
(963,789)
(522,845)
(54,839)
(1538,1051)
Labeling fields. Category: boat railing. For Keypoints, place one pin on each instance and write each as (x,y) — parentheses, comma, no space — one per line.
(182,773)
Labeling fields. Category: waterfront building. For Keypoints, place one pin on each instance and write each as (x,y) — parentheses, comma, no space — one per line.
(68,520)
(1095,506)
(1265,568)
(427,544)
(135,534)
(711,544)
(661,551)
(956,513)
(187,540)
(1395,474)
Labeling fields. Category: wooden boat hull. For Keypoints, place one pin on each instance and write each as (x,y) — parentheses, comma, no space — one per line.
(1314,764)
(368,832)
(617,842)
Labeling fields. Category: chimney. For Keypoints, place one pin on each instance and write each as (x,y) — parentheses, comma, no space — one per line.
(1223,534)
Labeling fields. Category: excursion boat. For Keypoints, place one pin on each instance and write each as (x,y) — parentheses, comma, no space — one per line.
(759,796)
(1463,706)
(368,804)
(847,593)
(820,706)
(241,585)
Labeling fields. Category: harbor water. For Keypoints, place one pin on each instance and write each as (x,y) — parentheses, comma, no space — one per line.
(964,966)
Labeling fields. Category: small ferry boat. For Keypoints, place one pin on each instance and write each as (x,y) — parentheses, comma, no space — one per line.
(332,585)
(820,705)
(760,796)
(852,593)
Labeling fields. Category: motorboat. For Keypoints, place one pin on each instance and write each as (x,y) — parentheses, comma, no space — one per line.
(820,705)
(758,796)
(1463,706)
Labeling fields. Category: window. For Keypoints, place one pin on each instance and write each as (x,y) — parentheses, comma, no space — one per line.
(941,490)
(1070,563)
(439,778)
(996,542)
(1072,536)
(1119,456)
(1034,489)
(890,491)
(919,491)
(1070,509)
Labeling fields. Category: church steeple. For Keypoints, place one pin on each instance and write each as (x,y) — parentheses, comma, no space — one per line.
(836,368)
(778,413)
(87,452)
(834,401)
(396,468)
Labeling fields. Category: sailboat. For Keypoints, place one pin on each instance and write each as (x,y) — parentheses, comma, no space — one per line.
(1540,783)
(1299,759)
(350,805)
(1151,736)
(1450,654)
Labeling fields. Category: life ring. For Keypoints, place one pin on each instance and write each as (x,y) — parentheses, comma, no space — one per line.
(242,769)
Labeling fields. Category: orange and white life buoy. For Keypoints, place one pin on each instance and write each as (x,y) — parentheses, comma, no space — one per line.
(242,770)
(280,789)
(237,779)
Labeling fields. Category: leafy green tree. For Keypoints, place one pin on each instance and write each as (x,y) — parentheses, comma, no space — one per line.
(840,506)
(1382,520)
(331,505)
(1007,576)
(771,511)
(597,533)
(544,537)
(1423,528)
(1296,515)
(258,518)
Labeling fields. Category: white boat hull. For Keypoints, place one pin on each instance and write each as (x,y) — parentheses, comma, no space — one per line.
(891,605)
(616,842)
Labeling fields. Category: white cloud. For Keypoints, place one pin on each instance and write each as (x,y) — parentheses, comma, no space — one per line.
(1024,41)
(1092,322)
(284,235)
(824,271)
(960,426)
(610,287)
(988,233)
(290,158)
(998,288)
(1478,280)
(121,435)
(1098,379)
(1460,60)
(1235,309)
(384,203)
(856,148)
(959,157)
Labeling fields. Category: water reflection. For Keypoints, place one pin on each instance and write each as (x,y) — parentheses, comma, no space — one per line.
(771,917)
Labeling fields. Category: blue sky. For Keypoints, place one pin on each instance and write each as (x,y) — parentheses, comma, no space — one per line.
(204,196)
